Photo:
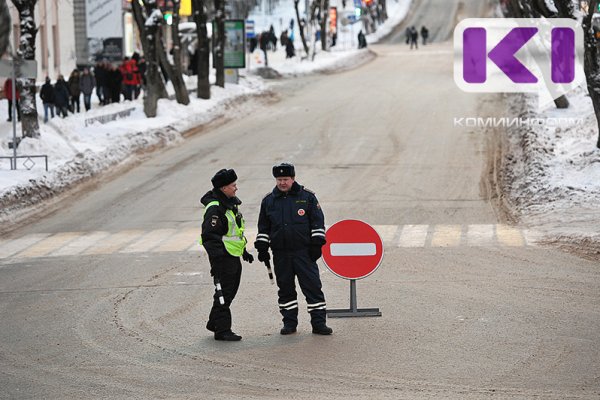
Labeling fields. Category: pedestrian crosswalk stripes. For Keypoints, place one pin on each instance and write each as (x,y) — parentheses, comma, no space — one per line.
(186,239)
(413,236)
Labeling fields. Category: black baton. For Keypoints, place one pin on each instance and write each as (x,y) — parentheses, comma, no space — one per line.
(219,291)
(268,264)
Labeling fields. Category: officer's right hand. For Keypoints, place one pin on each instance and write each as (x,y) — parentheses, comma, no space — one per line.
(264,256)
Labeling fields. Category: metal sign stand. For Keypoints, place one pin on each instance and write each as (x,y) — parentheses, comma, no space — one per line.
(354,311)
(13,164)
(19,68)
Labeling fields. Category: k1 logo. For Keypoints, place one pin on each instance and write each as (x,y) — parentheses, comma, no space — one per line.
(519,55)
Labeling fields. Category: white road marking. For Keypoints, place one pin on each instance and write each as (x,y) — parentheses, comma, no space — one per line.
(172,240)
(413,236)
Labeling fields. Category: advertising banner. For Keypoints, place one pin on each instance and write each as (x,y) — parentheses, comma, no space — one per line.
(104,28)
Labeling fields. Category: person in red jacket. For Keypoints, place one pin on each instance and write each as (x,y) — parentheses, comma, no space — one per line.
(131,77)
(9,96)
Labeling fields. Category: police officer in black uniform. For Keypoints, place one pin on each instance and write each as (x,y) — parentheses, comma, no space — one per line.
(292,224)
(224,241)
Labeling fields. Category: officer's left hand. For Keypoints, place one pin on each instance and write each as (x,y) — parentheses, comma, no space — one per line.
(314,252)
(247,257)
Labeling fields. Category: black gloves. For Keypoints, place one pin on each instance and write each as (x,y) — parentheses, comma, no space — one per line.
(263,255)
(314,252)
(248,257)
(263,250)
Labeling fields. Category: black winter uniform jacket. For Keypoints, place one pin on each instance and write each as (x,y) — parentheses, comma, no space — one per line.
(291,221)
(215,225)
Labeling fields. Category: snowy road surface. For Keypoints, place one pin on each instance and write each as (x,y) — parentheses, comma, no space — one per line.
(107,297)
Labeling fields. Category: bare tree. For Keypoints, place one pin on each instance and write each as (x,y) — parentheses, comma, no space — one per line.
(29,116)
(181,92)
(219,42)
(4,27)
(202,51)
(140,16)
(324,15)
(151,27)
(300,27)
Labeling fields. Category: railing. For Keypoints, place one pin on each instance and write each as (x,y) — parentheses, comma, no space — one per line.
(28,163)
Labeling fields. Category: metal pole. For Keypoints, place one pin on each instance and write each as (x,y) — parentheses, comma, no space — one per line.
(13,116)
(353,307)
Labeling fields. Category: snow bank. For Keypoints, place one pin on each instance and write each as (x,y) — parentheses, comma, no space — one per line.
(551,171)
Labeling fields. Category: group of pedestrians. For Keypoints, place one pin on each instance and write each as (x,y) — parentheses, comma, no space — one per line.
(291,226)
(64,96)
(412,36)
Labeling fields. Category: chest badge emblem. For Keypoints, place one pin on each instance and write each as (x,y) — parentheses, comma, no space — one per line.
(301,212)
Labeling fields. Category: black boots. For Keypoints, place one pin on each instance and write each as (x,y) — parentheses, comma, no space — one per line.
(287,330)
(322,330)
(228,336)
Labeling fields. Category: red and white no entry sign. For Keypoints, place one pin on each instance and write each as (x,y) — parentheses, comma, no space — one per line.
(354,249)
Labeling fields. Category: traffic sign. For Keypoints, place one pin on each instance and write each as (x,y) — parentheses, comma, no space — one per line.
(250,29)
(354,249)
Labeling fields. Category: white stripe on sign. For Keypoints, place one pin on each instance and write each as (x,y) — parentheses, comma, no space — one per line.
(353,249)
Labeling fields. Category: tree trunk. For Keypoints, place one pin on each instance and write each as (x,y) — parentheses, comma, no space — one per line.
(203,51)
(26,86)
(324,15)
(4,27)
(565,8)
(181,92)
(140,20)
(591,64)
(152,92)
(300,28)
(219,42)
(168,68)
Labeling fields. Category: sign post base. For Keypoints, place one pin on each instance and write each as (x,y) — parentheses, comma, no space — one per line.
(353,311)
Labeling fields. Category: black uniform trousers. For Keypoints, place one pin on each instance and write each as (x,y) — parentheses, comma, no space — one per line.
(229,272)
(288,266)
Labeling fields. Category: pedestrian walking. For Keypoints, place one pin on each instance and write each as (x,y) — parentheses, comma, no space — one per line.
(407,33)
(74,91)
(414,38)
(61,96)
(100,76)
(131,78)
(8,92)
(47,96)
(87,82)
(362,41)
(424,34)
(292,225)
(290,51)
(114,78)
(224,241)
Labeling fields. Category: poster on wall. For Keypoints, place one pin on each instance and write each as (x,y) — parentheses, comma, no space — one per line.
(104,28)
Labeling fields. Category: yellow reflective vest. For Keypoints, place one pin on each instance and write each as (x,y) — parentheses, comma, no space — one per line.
(234,239)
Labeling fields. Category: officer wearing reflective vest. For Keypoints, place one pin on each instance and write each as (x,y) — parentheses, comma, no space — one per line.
(224,241)
(292,225)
